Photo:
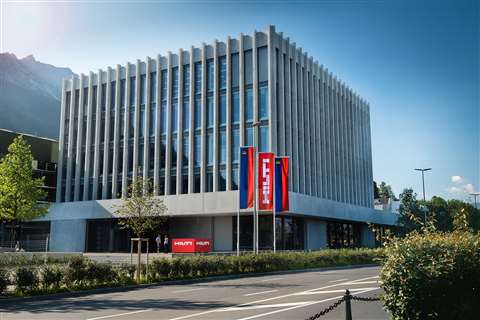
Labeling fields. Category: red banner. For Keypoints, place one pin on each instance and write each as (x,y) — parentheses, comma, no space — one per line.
(265,180)
(191,245)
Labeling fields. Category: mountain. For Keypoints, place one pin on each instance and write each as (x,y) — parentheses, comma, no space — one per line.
(30,93)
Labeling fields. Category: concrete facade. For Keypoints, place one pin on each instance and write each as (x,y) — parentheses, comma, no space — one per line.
(180,119)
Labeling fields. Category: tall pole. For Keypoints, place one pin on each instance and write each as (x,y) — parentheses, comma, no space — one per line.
(255,188)
(423,183)
(475,198)
(274,211)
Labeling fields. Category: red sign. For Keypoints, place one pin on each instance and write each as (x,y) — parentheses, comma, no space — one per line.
(265,180)
(191,245)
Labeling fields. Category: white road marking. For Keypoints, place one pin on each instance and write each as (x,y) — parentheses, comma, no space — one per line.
(269,299)
(295,307)
(271,279)
(363,282)
(188,290)
(119,314)
(338,280)
(255,293)
(264,306)
(352,291)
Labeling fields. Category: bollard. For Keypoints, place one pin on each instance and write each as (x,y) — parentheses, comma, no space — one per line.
(348,306)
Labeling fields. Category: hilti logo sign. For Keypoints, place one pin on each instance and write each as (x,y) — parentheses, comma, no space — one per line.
(265,180)
(191,245)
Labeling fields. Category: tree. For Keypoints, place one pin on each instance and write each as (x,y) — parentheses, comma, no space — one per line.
(20,193)
(376,194)
(141,211)
(411,215)
(385,192)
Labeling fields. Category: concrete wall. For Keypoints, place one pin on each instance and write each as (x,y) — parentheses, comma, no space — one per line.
(68,235)
(316,234)
(222,240)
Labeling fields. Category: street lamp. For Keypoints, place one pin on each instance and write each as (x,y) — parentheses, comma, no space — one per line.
(475,194)
(423,183)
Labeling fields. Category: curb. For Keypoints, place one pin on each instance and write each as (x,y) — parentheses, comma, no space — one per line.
(133,287)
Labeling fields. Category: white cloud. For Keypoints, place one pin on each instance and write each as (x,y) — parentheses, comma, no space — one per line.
(457,179)
(469,188)
(462,189)
(454,190)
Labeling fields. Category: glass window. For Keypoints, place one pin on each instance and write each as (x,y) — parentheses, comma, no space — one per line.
(210,149)
(130,158)
(175,82)
(235,69)
(163,117)
(153,118)
(185,151)
(223,147)
(174,116)
(142,122)
(222,62)
(222,183)
(210,75)
(151,155)
(197,181)
(163,144)
(153,86)
(186,115)
(197,149)
(248,61)
(122,125)
(122,93)
(264,144)
(198,77)
(131,126)
(143,89)
(262,64)
(186,80)
(173,183)
(210,119)
(235,145)
(209,182)
(174,152)
(249,136)
(163,87)
(249,105)
(132,91)
(235,177)
(236,107)
(141,147)
(223,110)
(198,113)
(263,102)
(112,127)
(112,95)
(104,96)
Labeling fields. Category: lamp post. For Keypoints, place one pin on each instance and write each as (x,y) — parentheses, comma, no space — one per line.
(423,183)
(475,194)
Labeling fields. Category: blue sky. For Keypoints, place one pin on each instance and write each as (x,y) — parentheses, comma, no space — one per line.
(416,62)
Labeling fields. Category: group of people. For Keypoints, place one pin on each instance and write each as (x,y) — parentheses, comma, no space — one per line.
(162,247)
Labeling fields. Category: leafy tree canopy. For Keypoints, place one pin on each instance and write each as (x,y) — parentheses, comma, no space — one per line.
(20,192)
(141,211)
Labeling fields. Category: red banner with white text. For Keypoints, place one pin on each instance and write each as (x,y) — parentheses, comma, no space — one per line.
(265,180)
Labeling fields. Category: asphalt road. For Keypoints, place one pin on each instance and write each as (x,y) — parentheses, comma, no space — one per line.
(275,296)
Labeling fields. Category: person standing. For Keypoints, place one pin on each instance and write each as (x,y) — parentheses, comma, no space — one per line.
(165,244)
(158,240)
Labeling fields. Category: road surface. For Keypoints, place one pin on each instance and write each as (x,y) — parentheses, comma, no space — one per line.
(275,296)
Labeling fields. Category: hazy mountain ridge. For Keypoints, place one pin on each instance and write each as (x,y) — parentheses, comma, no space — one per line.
(30,94)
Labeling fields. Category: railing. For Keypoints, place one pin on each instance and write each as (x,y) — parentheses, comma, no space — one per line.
(347,298)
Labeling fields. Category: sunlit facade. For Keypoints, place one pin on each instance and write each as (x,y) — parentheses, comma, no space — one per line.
(179,120)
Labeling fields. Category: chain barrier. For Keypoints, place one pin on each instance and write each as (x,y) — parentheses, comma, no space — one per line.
(346,297)
(327,310)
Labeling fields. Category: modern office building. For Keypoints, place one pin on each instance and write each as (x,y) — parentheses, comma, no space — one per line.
(179,121)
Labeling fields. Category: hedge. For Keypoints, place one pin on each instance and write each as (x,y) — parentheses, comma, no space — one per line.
(82,273)
(202,266)
(432,276)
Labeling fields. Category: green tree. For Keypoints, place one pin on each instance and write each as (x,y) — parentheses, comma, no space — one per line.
(385,192)
(20,192)
(411,214)
(141,211)
(376,193)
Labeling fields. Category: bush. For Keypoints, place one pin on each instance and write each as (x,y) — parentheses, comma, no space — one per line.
(125,273)
(26,279)
(432,276)
(76,271)
(51,276)
(99,273)
(4,281)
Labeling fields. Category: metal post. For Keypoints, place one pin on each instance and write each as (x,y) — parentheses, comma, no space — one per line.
(238,212)
(46,250)
(475,198)
(255,188)
(348,306)
(423,184)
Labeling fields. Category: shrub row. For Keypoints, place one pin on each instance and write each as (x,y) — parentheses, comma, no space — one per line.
(432,275)
(79,273)
(16,259)
(201,266)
